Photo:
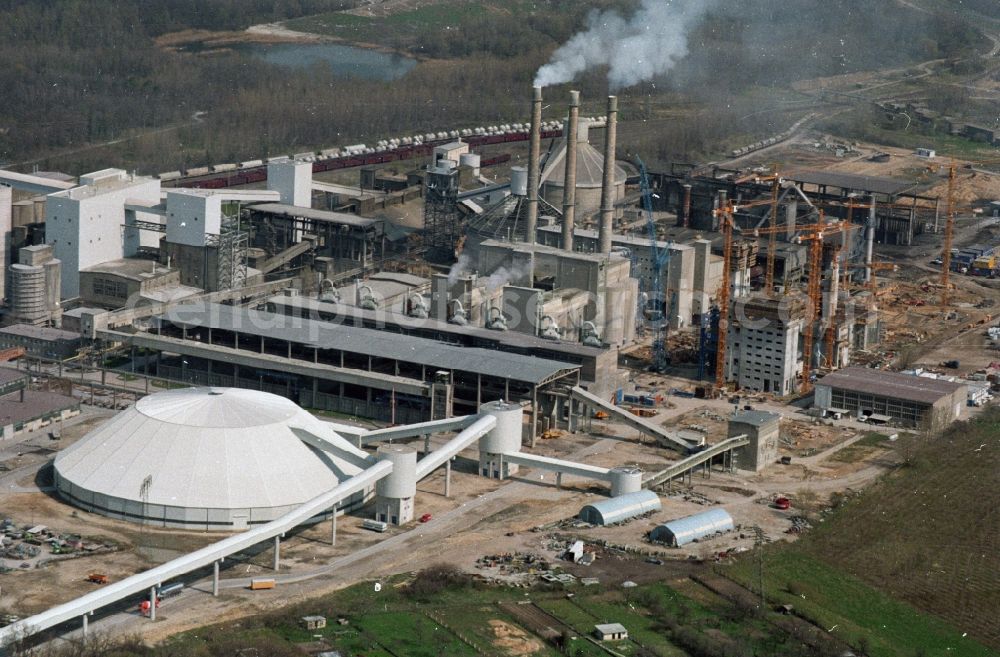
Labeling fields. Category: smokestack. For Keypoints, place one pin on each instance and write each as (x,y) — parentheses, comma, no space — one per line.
(569,182)
(608,189)
(869,241)
(533,165)
(686,219)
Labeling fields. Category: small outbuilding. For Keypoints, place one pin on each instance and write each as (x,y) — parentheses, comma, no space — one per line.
(692,528)
(610,632)
(314,622)
(623,507)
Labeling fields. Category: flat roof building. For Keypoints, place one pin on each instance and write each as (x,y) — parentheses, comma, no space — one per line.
(911,401)
(41,340)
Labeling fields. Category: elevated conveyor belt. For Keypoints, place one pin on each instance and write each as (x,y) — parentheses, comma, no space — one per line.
(681,467)
(469,435)
(560,466)
(206,556)
(665,438)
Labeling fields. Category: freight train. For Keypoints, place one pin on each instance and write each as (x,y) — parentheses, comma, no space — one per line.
(221,176)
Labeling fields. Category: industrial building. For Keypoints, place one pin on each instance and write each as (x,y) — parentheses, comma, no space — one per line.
(764,353)
(42,341)
(679,533)
(910,401)
(764,432)
(206,459)
(35,282)
(23,409)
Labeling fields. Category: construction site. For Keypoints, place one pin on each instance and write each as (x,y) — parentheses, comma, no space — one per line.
(468,346)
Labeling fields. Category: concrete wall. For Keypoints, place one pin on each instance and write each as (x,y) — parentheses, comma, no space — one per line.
(192,216)
(764,439)
(293,180)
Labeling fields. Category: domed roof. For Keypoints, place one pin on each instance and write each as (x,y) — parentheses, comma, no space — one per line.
(209,448)
(589,164)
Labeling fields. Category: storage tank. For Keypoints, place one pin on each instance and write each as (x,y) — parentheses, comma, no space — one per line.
(625,480)
(402,482)
(505,437)
(27,286)
(518,181)
(471,160)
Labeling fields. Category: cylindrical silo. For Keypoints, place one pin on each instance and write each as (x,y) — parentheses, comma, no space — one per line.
(504,438)
(402,482)
(518,181)
(471,160)
(624,480)
(28,298)
(394,493)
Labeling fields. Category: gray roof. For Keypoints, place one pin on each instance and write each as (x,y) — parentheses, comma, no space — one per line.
(755,418)
(623,507)
(610,628)
(39,332)
(9,375)
(369,342)
(891,384)
(850,181)
(35,404)
(341,218)
(136,269)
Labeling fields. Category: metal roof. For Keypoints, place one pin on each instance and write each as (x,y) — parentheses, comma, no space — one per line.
(341,218)
(36,404)
(214,448)
(39,332)
(850,181)
(620,508)
(369,342)
(890,384)
(685,530)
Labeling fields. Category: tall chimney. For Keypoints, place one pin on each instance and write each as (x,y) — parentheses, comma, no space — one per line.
(608,189)
(686,219)
(533,165)
(569,183)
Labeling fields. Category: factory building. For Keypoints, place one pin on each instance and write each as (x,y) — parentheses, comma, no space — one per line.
(206,459)
(118,283)
(42,341)
(763,343)
(95,222)
(764,431)
(349,369)
(23,409)
(878,396)
(682,531)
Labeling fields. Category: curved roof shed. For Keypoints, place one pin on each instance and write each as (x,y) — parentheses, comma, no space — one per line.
(623,507)
(692,528)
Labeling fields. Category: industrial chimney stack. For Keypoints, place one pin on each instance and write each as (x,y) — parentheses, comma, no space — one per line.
(569,184)
(608,188)
(533,165)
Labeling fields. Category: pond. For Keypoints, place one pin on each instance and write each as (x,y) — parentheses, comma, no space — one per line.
(348,61)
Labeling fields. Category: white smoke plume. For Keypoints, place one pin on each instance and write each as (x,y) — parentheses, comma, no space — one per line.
(460,268)
(502,276)
(637,48)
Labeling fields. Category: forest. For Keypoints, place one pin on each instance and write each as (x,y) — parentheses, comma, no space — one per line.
(79,74)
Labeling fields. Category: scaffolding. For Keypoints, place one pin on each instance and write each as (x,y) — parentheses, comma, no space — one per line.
(442,217)
(232,246)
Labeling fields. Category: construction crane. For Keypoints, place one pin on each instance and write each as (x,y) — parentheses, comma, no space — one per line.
(772,241)
(660,260)
(813,234)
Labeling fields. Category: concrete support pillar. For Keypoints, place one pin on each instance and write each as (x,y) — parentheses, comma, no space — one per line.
(869,241)
(447,478)
(333,527)
(559,480)
(277,553)
(427,444)
(569,181)
(791,215)
(215,579)
(686,210)
(85,626)
(152,603)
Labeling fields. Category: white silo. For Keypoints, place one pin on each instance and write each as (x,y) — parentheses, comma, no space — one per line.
(624,480)
(394,494)
(504,438)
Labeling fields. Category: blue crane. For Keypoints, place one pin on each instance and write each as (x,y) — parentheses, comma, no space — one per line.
(659,258)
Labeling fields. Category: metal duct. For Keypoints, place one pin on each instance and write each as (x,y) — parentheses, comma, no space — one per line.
(569,183)
(533,164)
(608,188)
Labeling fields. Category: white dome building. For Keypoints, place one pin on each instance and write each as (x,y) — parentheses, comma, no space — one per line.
(207,459)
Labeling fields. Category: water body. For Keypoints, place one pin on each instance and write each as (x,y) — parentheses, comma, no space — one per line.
(347,61)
